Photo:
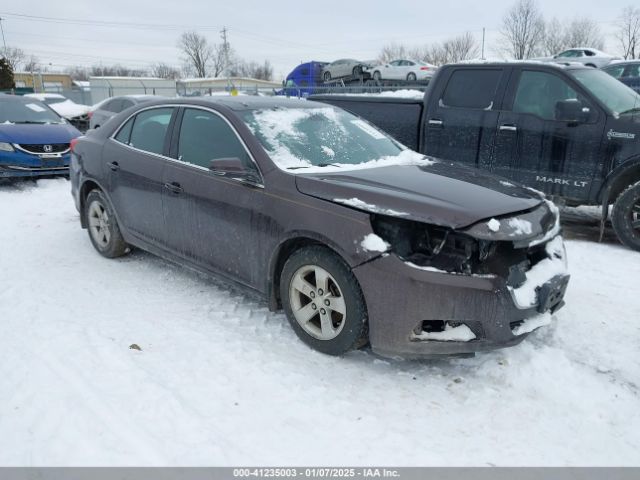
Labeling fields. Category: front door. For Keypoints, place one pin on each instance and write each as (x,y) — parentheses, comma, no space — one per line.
(209,218)
(533,147)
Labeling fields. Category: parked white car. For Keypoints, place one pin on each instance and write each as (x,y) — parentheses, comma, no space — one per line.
(76,113)
(403,69)
(587,56)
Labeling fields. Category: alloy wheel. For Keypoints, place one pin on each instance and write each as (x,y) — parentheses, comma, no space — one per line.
(99,225)
(317,302)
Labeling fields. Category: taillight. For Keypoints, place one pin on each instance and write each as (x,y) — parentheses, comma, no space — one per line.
(72,145)
(424,68)
(90,114)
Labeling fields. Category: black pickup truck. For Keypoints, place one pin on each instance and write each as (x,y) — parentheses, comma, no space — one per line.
(567,130)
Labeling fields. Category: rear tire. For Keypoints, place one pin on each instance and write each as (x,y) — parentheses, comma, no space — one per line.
(327,76)
(357,71)
(626,217)
(323,301)
(411,77)
(102,226)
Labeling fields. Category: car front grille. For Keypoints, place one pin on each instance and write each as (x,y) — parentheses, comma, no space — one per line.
(44,149)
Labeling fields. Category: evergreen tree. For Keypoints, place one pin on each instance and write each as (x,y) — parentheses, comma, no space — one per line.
(6,75)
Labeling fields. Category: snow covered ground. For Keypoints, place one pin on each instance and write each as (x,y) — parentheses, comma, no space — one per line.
(220,381)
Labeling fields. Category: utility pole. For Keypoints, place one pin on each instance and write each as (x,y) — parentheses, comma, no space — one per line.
(483,34)
(4,42)
(225,47)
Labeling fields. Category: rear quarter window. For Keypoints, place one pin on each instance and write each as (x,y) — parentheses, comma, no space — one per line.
(472,89)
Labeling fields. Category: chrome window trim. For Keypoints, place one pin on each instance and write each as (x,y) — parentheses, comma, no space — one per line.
(180,162)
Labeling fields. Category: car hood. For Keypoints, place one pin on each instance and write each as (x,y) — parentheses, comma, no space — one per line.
(69,109)
(439,194)
(37,134)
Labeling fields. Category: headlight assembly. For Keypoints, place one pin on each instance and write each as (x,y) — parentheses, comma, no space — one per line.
(6,147)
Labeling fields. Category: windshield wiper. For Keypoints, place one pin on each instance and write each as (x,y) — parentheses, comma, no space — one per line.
(631,110)
(318,165)
(32,122)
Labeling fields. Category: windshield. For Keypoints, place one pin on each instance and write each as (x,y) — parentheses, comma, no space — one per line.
(308,138)
(619,98)
(27,112)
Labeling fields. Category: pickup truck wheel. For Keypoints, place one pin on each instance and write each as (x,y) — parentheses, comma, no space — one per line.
(327,76)
(626,216)
(102,225)
(323,301)
(377,76)
(411,77)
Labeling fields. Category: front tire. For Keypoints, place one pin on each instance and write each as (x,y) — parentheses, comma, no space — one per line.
(626,217)
(377,76)
(327,76)
(102,226)
(323,301)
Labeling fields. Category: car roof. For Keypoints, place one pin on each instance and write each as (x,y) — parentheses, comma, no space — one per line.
(526,63)
(243,103)
(45,95)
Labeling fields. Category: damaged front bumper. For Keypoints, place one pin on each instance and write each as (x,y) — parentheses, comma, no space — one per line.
(423,312)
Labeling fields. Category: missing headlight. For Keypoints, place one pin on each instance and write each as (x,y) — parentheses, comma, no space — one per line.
(430,245)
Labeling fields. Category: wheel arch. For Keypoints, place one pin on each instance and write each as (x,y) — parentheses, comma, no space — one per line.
(87,186)
(626,174)
(284,250)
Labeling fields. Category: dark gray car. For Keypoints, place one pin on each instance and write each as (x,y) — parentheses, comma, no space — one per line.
(111,107)
(358,239)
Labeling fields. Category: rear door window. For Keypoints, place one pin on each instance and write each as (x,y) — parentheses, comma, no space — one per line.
(150,129)
(472,89)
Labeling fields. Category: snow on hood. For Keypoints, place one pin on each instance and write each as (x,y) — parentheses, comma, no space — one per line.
(437,194)
(69,109)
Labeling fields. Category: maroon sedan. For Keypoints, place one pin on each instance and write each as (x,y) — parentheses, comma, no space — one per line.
(360,240)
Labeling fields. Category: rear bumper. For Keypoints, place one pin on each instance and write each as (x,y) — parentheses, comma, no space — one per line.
(401,297)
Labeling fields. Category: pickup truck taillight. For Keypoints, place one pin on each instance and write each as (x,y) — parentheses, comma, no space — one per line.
(72,145)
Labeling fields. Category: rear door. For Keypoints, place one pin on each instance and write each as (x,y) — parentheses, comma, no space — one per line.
(134,159)
(208,217)
(462,115)
(534,148)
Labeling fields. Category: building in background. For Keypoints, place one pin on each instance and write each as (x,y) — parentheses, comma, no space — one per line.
(43,82)
(106,87)
(208,86)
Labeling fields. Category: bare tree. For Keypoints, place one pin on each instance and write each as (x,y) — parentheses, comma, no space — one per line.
(522,29)
(583,32)
(554,40)
(456,49)
(629,32)
(14,56)
(32,64)
(162,70)
(255,70)
(197,52)
(115,71)
(224,58)
(392,51)
(78,73)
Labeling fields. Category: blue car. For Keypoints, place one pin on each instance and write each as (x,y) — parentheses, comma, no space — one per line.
(34,140)
(628,72)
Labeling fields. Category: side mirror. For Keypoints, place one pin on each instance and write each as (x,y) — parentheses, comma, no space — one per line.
(572,111)
(233,168)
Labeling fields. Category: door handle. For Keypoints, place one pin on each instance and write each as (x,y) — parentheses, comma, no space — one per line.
(113,166)
(436,122)
(174,187)
(508,128)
